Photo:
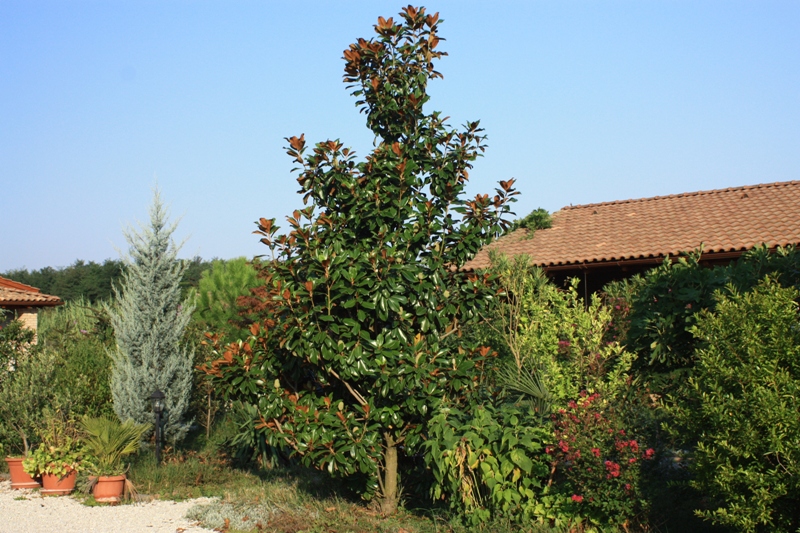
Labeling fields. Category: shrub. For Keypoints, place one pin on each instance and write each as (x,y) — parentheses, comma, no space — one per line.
(26,375)
(553,334)
(742,409)
(490,464)
(597,462)
(79,335)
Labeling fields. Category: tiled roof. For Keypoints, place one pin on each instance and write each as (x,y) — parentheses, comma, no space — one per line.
(725,220)
(13,293)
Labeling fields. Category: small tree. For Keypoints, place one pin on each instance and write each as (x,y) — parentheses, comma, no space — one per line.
(363,304)
(149,320)
(26,375)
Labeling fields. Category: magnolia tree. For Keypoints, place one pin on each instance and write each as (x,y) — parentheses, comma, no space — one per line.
(362,307)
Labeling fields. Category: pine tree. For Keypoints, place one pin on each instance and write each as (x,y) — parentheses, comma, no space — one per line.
(149,320)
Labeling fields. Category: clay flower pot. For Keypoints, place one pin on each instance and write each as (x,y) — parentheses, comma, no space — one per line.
(19,478)
(109,489)
(52,485)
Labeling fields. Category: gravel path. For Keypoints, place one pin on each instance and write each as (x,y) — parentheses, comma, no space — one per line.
(24,511)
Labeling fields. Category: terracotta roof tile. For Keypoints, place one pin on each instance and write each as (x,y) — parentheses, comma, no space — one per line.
(13,293)
(724,220)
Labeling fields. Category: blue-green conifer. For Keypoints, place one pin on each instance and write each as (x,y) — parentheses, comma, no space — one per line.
(149,320)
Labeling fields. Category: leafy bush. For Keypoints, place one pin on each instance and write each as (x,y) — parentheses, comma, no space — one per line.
(664,309)
(490,463)
(742,409)
(26,375)
(539,218)
(554,334)
(655,312)
(79,334)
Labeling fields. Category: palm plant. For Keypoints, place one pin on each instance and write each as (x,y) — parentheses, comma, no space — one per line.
(528,384)
(109,440)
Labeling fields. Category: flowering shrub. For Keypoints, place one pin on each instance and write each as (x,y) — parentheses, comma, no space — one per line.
(596,462)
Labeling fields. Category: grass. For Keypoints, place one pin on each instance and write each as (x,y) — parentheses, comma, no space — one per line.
(282,500)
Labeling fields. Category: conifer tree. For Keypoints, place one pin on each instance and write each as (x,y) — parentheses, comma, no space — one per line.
(149,320)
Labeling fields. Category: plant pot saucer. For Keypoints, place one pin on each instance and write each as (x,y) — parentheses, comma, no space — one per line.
(55,492)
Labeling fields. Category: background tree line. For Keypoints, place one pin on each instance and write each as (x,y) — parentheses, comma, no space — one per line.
(93,281)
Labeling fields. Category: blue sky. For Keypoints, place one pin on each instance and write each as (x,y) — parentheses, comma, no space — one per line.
(583,102)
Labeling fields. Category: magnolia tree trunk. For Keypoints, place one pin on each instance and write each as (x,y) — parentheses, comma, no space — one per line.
(389,497)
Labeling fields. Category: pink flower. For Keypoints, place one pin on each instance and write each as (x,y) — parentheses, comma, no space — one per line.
(649,453)
(577,498)
(627,486)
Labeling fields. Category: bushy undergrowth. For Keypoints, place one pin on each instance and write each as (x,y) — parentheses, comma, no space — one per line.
(742,409)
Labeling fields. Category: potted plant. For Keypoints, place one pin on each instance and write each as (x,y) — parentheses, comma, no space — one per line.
(109,441)
(59,457)
(58,465)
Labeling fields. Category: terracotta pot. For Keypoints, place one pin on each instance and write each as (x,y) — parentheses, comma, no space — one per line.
(19,478)
(52,485)
(109,489)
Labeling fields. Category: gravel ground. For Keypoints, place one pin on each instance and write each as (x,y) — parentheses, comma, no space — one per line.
(25,511)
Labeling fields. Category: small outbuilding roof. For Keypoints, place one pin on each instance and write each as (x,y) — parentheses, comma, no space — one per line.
(722,221)
(15,294)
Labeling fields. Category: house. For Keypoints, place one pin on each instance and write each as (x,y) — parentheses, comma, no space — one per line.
(24,301)
(612,240)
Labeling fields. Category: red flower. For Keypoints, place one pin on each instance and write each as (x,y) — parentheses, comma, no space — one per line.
(596,452)
(649,453)
(612,469)
(577,498)
(564,446)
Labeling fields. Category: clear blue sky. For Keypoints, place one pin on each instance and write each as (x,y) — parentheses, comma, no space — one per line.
(583,101)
